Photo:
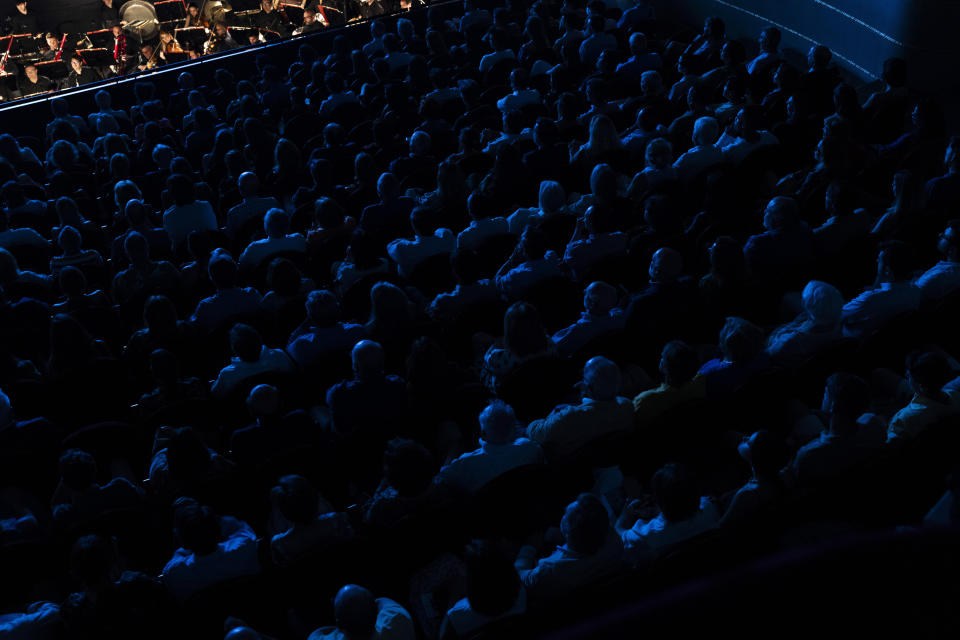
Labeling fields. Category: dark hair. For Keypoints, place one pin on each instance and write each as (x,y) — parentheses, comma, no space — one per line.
(245,341)
(898,257)
(768,454)
(408,466)
(675,490)
(895,72)
(492,581)
(523,333)
(283,277)
(78,469)
(296,499)
(679,362)
(740,340)
(586,524)
(467,266)
(181,188)
(188,458)
(849,393)
(198,528)
(930,371)
(92,559)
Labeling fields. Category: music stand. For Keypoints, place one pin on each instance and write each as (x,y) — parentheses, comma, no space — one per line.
(96,58)
(170,10)
(242,7)
(294,12)
(24,45)
(191,38)
(241,35)
(173,57)
(53,69)
(102,39)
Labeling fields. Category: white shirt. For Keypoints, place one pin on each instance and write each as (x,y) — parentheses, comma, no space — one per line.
(488,61)
(471,471)
(271,360)
(249,208)
(393,623)
(479,230)
(515,282)
(939,281)
(409,253)
(259,250)
(179,221)
(871,309)
(236,556)
(652,537)
(736,149)
(518,99)
(696,160)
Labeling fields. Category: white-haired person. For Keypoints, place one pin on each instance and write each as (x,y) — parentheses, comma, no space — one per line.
(500,451)
(703,154)
(600,315)
(658,170)
(816,327)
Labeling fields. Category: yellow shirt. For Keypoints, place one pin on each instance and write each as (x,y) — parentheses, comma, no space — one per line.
(653,403)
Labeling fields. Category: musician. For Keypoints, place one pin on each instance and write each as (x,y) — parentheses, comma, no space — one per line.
(21,21)
(33,82)
(121,57)
(168,44)
(194,19)
(371,9)
(80,73)
(148,58)
(109,14)
(310,23)
(269,18)
(53,47)
(220,39)
(327,16)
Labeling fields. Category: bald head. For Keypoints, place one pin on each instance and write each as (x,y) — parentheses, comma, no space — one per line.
(602,378)
(264,400)
(355,610)
(367,357)
(666,265)
(242,633)
(248,184)
(599,298)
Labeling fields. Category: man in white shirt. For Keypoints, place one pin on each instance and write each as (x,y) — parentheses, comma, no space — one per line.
(252,206)
(428,241)
(276,224)
(743,138)
(500,52)
(250,358)
(500,451)
(521,96)
(530,264)
(212,549)
(895,295)
(360,615)
(927,374)
(943,278)
(338,94)
(187,213)
(600,316)
(552,200)
(482,226)
(703,154)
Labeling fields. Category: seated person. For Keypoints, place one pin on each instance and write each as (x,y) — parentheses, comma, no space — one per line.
(816,327)
(786,245)
(894,295)
(322,333)
(928,372)
(276,224)
(359,615)
(229,301)
(524,339)
(553,199)
(251,206)
(842,444)
(594,239)
(338,95)
(682,384)
(429,240)
(766,454)
(419,162)
(79,498)
(669,299)
(600,316)
(682,515)
(943,278)
(592,551)
(272,431)
(371,397)
(302,527)
(212,549)
(704,154)
(743,137)
(500,451)
(742,357)
(76,298)
(250,358)
(530,264)
(521,95)
(73,254)
(482,225)
(407,485)
(144,276)
(187,213)
(601,412)
(494,592)
(471,288)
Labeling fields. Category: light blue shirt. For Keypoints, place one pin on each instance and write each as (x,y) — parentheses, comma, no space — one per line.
(871,309)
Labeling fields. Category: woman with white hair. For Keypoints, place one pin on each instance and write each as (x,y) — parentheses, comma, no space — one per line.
(553,199)
(604,145)
(817,326)
(703,154)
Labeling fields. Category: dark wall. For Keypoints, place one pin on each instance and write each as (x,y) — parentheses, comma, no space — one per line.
(73,15)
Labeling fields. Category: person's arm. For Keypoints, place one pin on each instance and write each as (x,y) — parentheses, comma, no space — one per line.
(628,518)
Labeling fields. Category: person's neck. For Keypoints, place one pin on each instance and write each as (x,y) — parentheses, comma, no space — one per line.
(23,11)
